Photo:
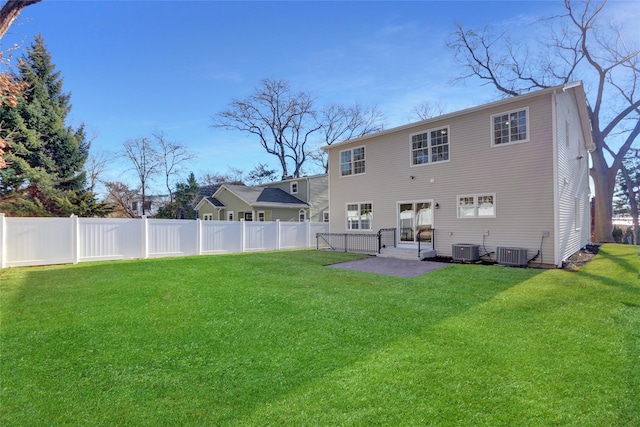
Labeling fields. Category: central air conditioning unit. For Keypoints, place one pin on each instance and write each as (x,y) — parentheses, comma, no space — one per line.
(516,257)
(464,252)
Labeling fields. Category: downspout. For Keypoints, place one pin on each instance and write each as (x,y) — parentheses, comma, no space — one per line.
(556,182)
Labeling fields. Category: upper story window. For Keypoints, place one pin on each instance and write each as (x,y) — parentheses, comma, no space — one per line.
(510,127)
(352,162)
(477,206)
(294,188)
(431,146)
(207,217)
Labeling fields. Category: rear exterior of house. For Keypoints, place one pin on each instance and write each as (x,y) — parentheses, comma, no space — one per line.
(510,174)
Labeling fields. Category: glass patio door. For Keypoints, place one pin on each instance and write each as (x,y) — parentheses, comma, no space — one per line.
(414,218)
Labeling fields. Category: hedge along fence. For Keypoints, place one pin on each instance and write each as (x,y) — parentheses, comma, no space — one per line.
(44,241)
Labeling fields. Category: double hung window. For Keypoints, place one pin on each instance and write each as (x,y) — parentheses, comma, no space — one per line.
(431,146)
(359,216)
(510,127)
(352,162)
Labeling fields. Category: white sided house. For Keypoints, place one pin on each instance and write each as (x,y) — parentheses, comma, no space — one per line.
(506,181)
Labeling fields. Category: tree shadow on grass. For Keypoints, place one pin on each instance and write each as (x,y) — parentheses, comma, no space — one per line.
(210,339)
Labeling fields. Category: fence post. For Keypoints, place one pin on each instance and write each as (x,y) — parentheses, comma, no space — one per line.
(308,237)
(75,238)
(145,237)
(242,231)
(278,231)
(3,242)
(198,236)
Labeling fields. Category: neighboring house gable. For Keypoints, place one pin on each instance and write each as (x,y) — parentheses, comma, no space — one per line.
(501,174)
(296,199)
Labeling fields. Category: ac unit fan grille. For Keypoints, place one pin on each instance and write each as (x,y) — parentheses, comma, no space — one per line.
(512,256)
(464,252)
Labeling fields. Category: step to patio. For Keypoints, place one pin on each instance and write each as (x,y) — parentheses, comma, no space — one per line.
(407,253)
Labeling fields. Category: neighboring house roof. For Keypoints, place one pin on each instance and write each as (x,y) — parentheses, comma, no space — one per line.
(577,87)
(211,200)
(261,197)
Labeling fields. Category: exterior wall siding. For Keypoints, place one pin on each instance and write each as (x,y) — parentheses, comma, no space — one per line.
(519,174)
(572,179)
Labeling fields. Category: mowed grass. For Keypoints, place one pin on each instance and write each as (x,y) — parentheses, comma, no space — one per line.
(280,339)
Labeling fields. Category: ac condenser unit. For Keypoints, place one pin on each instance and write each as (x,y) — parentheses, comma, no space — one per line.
(512,256)
(464,252)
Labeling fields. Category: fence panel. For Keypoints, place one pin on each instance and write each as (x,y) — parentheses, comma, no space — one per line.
(102,239)
(259,236)
(220,237)
(37,241)
(293,235)
(42,241)
(172,237)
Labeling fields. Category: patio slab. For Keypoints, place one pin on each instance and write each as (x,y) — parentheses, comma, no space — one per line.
(391,266)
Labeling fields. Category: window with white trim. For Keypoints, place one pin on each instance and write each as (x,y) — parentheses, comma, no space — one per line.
(510,127)
(431,146)
(359,216)
(352,161)
(207,217)
(261,216)
(230,216)
(477,206)
(325,216)
(302,215)
(294,188)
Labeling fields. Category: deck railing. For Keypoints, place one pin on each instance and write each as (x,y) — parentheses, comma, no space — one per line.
(369,243)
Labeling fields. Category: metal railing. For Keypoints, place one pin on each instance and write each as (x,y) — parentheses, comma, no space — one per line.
(359,243)
(431,238)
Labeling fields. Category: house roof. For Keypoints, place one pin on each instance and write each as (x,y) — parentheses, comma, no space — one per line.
(211,200)
(262,197)
(577,88)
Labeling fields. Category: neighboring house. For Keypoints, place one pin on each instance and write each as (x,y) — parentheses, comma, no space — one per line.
(296,199)
(151,204)
(512,173)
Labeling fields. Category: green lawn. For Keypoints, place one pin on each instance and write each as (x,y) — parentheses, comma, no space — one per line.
(279,339)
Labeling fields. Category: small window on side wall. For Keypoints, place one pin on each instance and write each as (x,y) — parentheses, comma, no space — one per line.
(230,216)
(294,188)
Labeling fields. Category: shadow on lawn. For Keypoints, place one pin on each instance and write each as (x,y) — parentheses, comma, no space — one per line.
(258,329)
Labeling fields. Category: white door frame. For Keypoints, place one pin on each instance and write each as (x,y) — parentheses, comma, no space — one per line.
(413,242)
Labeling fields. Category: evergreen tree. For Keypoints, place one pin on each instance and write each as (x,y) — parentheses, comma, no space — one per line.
(185,198)
(44,173)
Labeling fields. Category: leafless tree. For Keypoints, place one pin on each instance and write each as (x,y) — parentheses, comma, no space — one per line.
(578,47)
(173,156)
(10,11)
(282,120)
(95,166)
(234,176)
(340,123)
(427,110)
(145,163)
(120,198)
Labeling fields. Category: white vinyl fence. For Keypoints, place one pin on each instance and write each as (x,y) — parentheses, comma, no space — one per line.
(44,241)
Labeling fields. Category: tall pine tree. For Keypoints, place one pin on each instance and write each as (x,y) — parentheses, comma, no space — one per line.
(44,173)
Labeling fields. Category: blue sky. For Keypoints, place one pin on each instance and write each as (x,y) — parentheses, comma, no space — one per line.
(137,66)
